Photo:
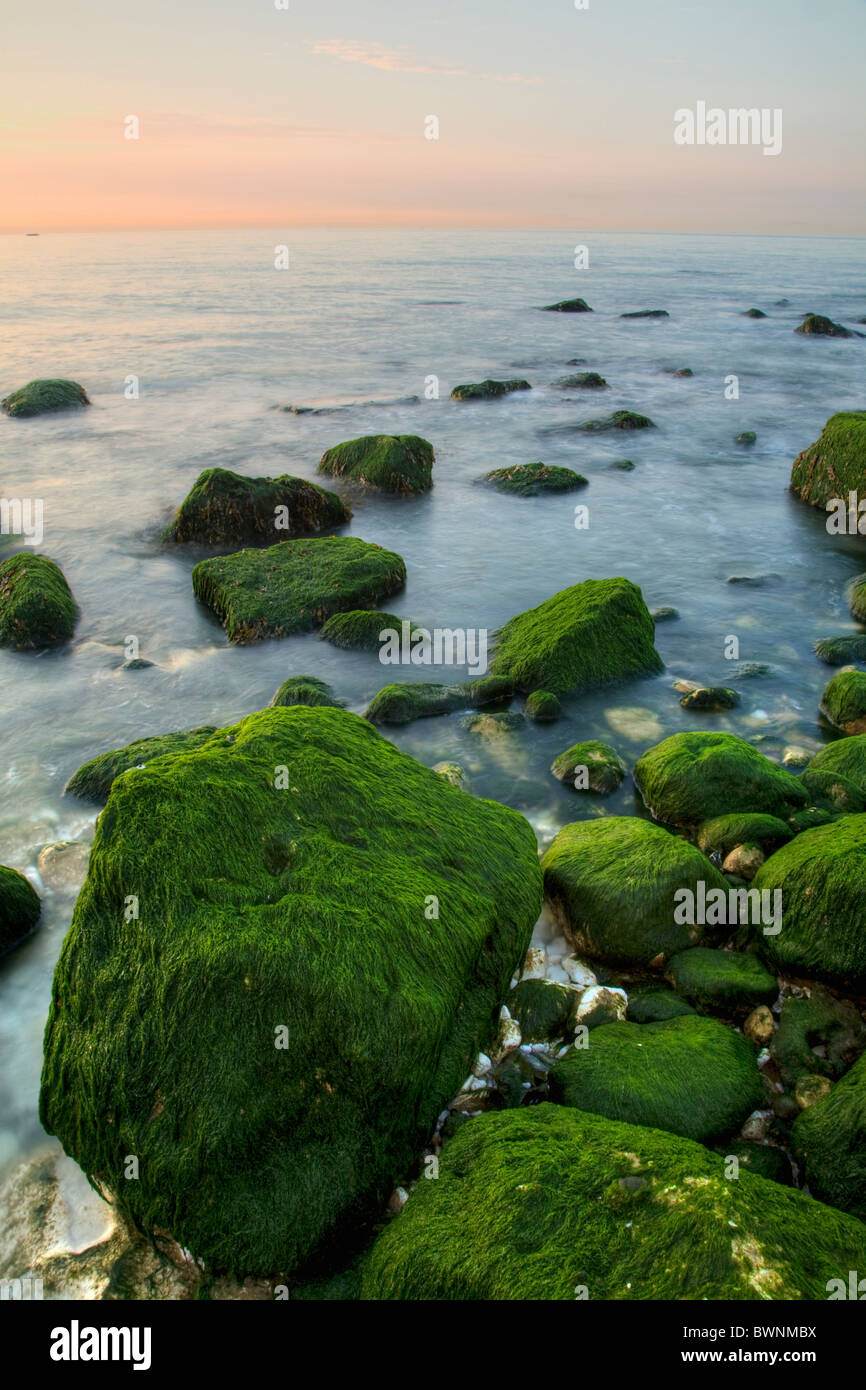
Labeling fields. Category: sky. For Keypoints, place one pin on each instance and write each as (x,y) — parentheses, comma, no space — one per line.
(304,113)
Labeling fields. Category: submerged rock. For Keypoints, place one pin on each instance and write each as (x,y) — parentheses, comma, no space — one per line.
(558,1204)
(821,875)
(590,766)
(725,982)
(665,614)
(580,381)
(592,634)
(19,908)
(261,1036)
(37,609)
(93,780)
(401,463)
(568,306)
(754,314)
(694,777)
(622,465)
(611,885)
(844,701)
(402,701)
(44,397)
(646,314)
(63,865)
(295,585)
(836,464)
(304,690)
(226,508)
(489,390)
(619,420)
(747,437)
(530,479)
(710,698)
(823,327)
(689,1075)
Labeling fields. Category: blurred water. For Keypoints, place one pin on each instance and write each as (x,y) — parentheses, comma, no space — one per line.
(218,338)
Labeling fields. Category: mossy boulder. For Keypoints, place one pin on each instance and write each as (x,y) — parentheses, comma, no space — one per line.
(836,464)
(829,1140)
(834,792)
(822,878)
(488,390)
(754,314)
(619,420)
(649,1001)
(591,766)
(694,777)
(689,1075)
(304,690)
(544,1009)
(593,634)
(818,325)
(400,463)
(360,629)
(612,882)
(842,651)
(764,1160)
(489,690)
(857,586)
(568,306)
(275,1034)
(19,908)
(724,833)
(646,314)
(530,479)
(546,1203)
(44,397)
(543,707)
(746,438)
(295,585)
(580,381)
(37,609)
(817,1035)
(93,780)
(845,757)
(724,982)
(844,701)
(226,508)
(402,701)
(710,699)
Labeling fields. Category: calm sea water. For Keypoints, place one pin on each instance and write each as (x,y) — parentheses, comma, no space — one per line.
(219,338)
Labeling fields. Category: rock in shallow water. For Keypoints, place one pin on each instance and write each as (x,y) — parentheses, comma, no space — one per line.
(45,396)
(694,777)
(37,609)
(19,908)
(225,508)
(400,463)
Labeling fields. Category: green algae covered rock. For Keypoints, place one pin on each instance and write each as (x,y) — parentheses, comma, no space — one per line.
(612,882)
(295,585)
(821,875)
(591,766)
(764,1160)
(833,792)
(694,777)
(844,701)
(583,381)
(543,707)
(402,701)
(857,590)
(389,462)
(842,651)
(530,479)
(304,690)
(543,1008)
(724,833)
(595,633)
(568,306)
(546,1203)
(822,327)
(836,464)
(226,508)
(725,982)
(275,1033)
(361,629)
(19,908)
(845,757)
(488,390)
(37,609)
(619,420)
(710,699)
(488,690)
(819,1035)
(93,779)
(829,1140)
(649,1001)
(691,1076)
(44,397)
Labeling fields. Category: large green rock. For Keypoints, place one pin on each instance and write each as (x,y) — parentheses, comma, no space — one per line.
(402,701)
(724,833)
(842,651)
(226,508)
(37,609)
(19,908)
(44,397)
(845,757)
(822,879)
(595,633)
(844,701)
(568,306)
(836,464)
(820,326)
(611,884)
(389,462)
(295,585)
(694,777)
(590,766)
(325,932)
(544,1009)
(529,479)
(360,629)
(725,982)
(94,779)
(829,1140)
(690,1075)
(817,1035)
(547,1203)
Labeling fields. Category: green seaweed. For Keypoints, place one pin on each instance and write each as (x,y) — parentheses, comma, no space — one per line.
(226,508)
(37,609)
(530,479)
(401,463)
(19,908)
(44,397)
(694,777)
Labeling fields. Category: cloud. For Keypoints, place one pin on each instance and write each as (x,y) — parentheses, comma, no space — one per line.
(376,55)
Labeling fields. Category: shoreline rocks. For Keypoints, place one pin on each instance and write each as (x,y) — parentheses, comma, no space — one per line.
(530,479)
(835,464)
(489,390)
(398,463)
(45,396)
(20,909)
(37,609)
(225,508)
